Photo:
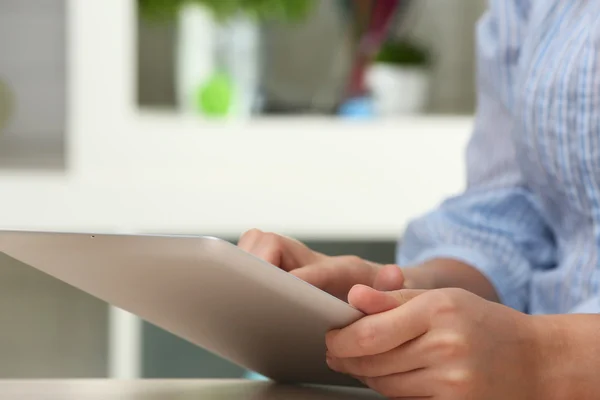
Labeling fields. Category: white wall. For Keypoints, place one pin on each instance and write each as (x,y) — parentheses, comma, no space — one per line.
(447,26)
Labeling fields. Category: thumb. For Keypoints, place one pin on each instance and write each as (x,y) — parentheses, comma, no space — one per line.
(371,301)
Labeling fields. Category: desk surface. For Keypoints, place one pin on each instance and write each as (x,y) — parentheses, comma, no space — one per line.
(171,390)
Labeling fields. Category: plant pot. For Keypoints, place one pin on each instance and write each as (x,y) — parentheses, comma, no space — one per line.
(398,90)
(207,49)
(239,58)
(196,57)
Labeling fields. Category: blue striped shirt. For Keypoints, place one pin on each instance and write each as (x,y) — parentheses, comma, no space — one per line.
(529,218)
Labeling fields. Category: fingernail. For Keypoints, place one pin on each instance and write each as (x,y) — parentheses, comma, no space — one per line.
(330,360)
(331,364)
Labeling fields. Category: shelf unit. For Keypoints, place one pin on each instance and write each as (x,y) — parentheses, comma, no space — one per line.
(317,178)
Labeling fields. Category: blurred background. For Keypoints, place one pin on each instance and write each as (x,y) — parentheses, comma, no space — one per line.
(339,57)
(395,73)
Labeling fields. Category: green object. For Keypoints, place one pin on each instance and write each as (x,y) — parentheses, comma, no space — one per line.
(404,52)
(279,10)
(215,97)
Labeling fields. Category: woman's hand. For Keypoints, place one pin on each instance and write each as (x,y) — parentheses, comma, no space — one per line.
(441,344)
(335,275)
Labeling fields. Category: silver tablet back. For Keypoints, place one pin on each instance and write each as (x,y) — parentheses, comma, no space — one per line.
(204,290)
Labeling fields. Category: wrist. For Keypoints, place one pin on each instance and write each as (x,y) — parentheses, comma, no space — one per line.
(438,273)
(442,273)
(550,358)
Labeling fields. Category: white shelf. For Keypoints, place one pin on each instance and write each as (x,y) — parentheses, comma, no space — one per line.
(308,177)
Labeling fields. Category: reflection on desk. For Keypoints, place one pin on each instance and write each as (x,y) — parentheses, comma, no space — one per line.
(172,389)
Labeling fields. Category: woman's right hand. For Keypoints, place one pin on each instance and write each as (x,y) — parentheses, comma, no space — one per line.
(335,275)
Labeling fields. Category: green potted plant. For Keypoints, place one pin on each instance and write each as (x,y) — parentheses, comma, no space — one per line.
(399,79)
(222,10)
(218,49)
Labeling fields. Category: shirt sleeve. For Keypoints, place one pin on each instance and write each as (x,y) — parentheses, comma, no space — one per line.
(590,306)
(495,225)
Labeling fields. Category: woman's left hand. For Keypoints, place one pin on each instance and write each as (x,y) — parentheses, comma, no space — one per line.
(442,344)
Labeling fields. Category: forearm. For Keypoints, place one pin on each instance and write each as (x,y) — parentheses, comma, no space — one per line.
(447,273)
(568,357)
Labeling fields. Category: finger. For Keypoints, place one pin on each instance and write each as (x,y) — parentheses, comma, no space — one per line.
(416,383)
(371,301)
(416,354)
(262,245)
(247,240)
(378,333)
(389,277)
(336,275)
(282,251)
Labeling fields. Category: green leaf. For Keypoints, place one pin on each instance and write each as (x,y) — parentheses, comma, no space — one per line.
(280,10)
(404,52)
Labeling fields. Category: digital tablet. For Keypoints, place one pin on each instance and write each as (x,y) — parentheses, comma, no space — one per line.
(205,290)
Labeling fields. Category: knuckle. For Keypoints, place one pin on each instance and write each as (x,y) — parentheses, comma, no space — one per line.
(248,237)
(365,336)
(352,260)
(459,380)
(252,232)
(271,237)
(271,241)
(452,345)
(266,246)
(445,301)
